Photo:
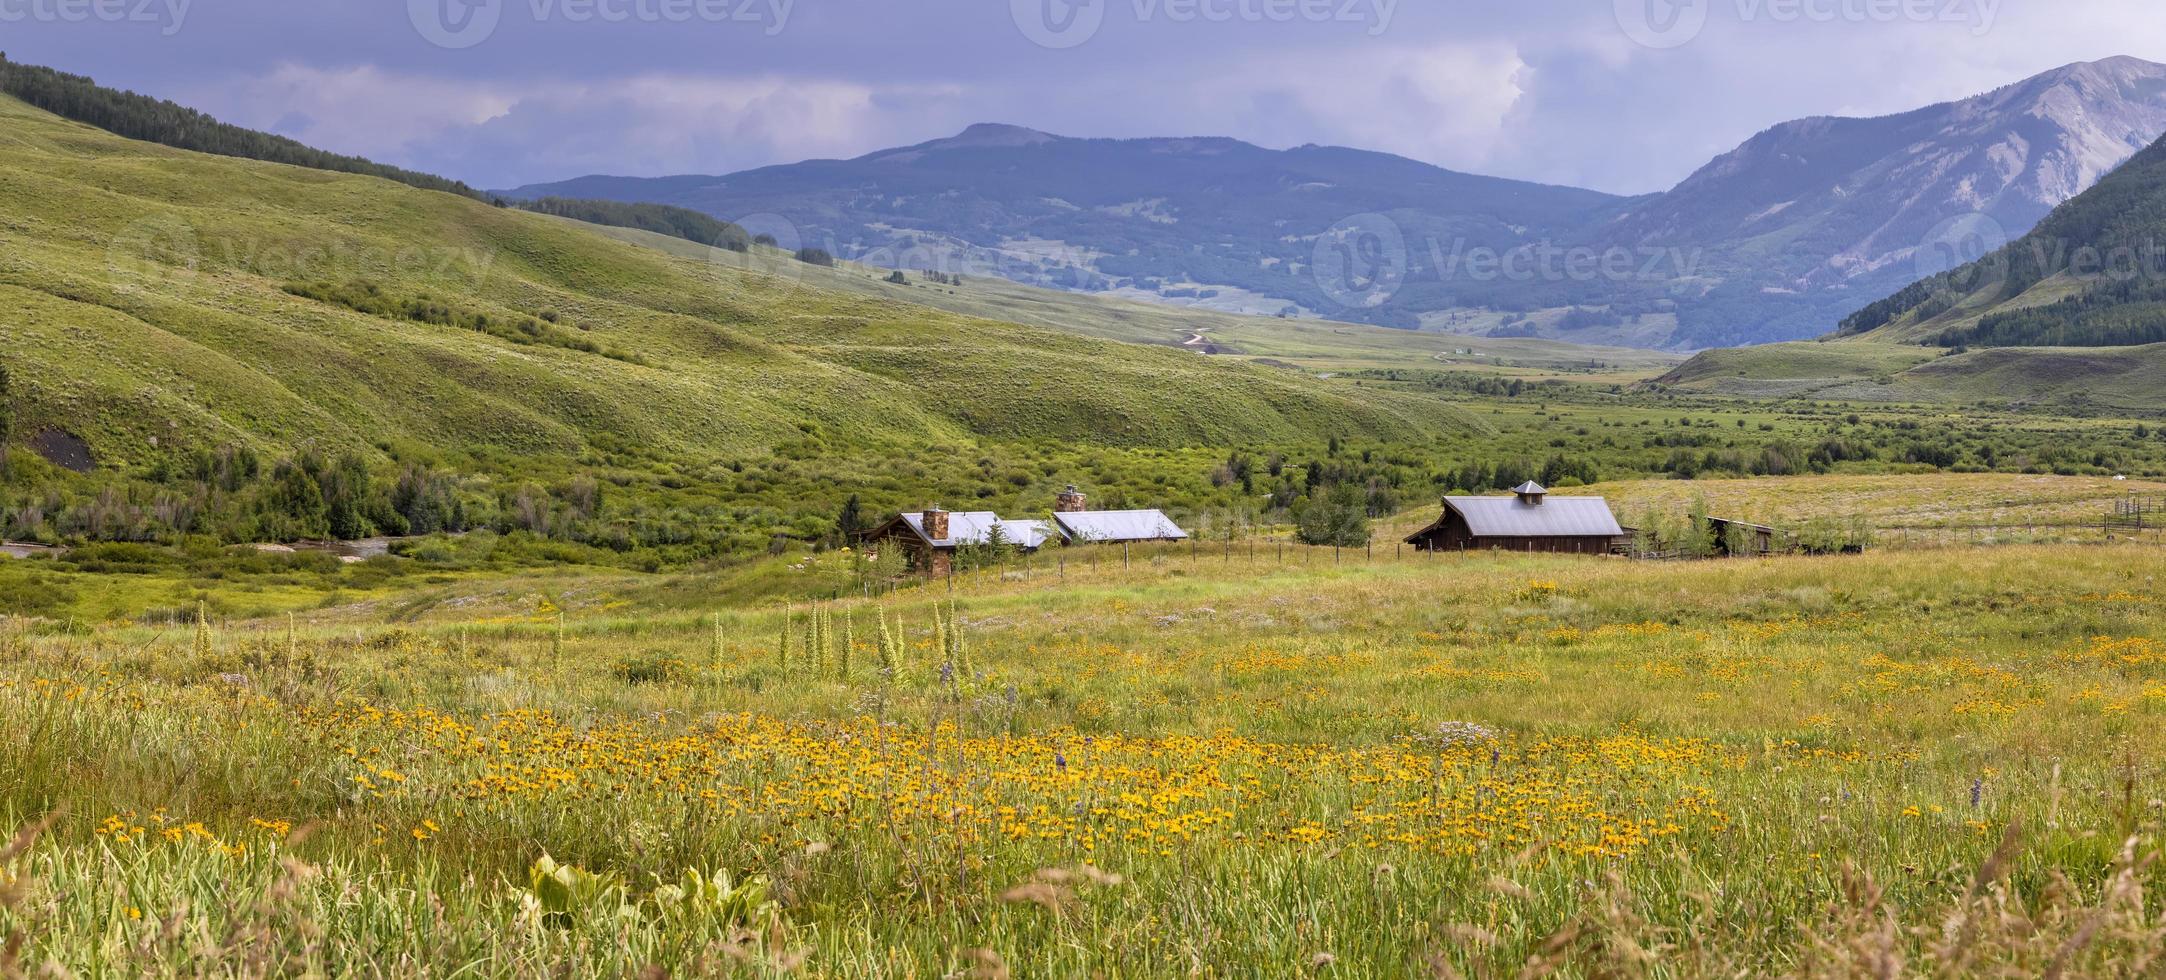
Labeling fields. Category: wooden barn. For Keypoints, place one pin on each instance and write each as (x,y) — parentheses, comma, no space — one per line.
(1528,520)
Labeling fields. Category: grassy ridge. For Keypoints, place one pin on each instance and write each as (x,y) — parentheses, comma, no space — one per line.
(2116,379)
(142,117)
(130,263)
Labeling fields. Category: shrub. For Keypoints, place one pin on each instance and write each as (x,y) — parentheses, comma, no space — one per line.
(651,667)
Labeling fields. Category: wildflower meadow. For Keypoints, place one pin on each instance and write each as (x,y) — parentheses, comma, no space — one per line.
(1907,762)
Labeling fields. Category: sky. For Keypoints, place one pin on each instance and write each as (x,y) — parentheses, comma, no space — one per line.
(1626,96)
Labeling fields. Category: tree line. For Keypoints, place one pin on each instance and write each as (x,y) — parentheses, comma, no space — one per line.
(662,219)
(140,117)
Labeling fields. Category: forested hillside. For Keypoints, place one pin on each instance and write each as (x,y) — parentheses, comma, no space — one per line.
(2092,274)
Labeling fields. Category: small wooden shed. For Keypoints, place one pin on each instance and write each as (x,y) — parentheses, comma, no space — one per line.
(1756,539)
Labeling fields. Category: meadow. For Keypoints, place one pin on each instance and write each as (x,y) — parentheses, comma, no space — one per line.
(1903,762)
(639,713)
(645,717)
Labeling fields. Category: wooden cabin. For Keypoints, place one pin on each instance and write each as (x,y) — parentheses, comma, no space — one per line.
(1528,520)
(932,536)
(1116,527)
(1077,523)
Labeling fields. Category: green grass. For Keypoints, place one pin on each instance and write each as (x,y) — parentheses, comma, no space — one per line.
(1965,313)
(1798,362)
(1871,370)
(150,294)
(1244,756)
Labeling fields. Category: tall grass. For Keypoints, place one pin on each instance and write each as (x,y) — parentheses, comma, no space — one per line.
(1876,765)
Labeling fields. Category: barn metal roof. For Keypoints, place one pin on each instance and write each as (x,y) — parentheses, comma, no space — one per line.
(1115,526)
(1554,517)
(976,527)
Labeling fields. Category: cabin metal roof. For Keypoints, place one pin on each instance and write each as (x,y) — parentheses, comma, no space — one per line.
(1115,526)
(976,527)
(1554,517)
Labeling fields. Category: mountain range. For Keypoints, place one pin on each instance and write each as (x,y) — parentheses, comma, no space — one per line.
(2071,314)
(2092,274)
(1779,239)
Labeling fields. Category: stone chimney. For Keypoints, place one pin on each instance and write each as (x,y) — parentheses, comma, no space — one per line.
(1071,501)
(936,523)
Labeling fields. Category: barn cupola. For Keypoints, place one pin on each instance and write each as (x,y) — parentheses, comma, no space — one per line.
(1531,493)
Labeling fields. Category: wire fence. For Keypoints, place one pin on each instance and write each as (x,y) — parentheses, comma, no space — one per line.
(1273,553)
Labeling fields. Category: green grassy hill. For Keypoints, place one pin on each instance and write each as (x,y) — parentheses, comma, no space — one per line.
(150,300)
(2126,379)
